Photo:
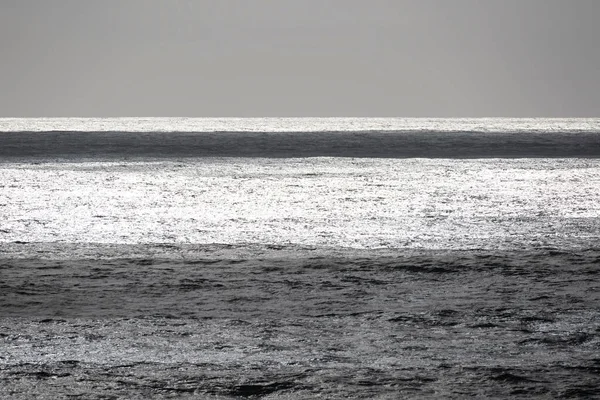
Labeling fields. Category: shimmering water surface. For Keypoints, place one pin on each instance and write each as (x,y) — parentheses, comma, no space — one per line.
(245,258)
(299,124)
(332,202)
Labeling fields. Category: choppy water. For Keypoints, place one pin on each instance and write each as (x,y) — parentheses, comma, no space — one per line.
(135,268)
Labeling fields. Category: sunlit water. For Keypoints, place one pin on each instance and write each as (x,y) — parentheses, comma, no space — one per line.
(299,124)
(166,274)
(331,202)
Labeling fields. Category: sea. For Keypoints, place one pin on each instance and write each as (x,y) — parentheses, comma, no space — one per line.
(299,258)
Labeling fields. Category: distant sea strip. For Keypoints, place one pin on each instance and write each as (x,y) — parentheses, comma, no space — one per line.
(372,144)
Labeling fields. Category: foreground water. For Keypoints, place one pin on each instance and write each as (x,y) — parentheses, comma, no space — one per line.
(303,324)
(147,269)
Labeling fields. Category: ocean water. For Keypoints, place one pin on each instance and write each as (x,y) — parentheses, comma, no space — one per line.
(299,258)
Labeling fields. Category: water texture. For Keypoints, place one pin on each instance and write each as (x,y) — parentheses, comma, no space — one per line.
(432,324)
(331,202)
(299,258)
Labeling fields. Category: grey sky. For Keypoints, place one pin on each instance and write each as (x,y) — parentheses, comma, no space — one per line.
(446,58)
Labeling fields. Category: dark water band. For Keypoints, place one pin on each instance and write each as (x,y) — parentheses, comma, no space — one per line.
(107,145)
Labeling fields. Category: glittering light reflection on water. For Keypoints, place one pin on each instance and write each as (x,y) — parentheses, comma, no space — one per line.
(333,202)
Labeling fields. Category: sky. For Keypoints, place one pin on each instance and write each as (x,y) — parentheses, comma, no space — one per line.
(299,58)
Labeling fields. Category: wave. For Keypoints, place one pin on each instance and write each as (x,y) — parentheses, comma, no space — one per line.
(371,144)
